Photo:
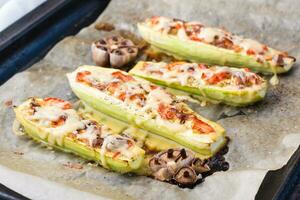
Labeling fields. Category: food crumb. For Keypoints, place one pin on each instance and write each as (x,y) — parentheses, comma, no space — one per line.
(104,26)
(8,103)
(18,153)
(73,165)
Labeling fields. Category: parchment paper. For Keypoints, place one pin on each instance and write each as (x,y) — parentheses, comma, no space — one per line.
(263,136)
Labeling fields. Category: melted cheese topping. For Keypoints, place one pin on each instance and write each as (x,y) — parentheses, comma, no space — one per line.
(156,97)
(90,132)
(119,146)
(163,24)
(247,44)
(190,74)
(45,115)
(140,98)
(209,34)
(218,37)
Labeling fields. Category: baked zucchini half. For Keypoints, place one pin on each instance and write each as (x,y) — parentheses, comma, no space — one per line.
(147,106)
(149,142)
(232,86)
(195,42)
(53,121)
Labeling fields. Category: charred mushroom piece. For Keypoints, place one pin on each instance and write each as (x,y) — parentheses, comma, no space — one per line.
(176,164)
(163,174)
(102,42)
(160,170)
(115,51)
(180,157)
(186,176)
(169,155)
(200,166)
(184,159)
(155,164)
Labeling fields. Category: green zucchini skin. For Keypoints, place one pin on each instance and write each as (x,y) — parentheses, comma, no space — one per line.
(239,97)
(75,147)
(205,53)
(90,96)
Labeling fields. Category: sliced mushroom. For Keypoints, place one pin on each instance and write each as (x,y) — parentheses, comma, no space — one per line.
(186,176)
(169,155)
(114,39)
(180,165)
(155,164)
(185,158)
(115,51)
(126,43)
(100,55)
(132,51)
(160,170)
(163,174)
(200,166)
(119,58)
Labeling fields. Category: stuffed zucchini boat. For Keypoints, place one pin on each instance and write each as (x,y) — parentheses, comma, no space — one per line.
(53,121)
(147,106)
(149,142)
(232,86)
(198,43)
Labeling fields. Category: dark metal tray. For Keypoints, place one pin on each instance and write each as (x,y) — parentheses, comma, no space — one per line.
(28,40)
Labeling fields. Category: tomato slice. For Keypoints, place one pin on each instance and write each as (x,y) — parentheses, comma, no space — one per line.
(195,38)
(250,52)
(53,100)
(166,112)
(201,126)
(137,96)
(173,64)
(216,78)
(122,96)
(80,77)
(112,87)
(123,77)
(178,26)
(116,154)
(59,122)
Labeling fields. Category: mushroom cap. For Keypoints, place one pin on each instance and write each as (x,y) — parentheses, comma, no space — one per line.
(119,58)
(175,154)
(114,50)
(100,55)
(155,164)
(163,174)
(179,165)
(186,176)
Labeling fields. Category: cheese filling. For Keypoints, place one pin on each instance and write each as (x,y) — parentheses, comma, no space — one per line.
(199,75)
(144,99)
(61,121)
(218,37)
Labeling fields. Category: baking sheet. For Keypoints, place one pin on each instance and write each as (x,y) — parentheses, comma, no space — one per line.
(263,136)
